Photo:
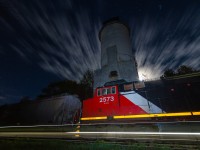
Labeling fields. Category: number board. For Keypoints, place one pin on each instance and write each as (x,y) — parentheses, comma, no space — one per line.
(106,99)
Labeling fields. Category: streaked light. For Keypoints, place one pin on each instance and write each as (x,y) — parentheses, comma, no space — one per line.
(35,126)
(94,118)
(145,116)
(139,133)
(133,116)
(156,115)
(196,113)
(178,114)
(77,133)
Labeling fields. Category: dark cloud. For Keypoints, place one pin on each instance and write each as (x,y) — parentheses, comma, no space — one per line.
(61,39)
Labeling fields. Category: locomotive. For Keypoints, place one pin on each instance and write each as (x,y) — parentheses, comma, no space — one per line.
(120,100)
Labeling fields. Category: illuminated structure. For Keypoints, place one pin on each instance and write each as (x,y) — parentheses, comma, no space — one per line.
(118,93)
(117,58)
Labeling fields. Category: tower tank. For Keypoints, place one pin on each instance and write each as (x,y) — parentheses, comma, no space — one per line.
(117,58)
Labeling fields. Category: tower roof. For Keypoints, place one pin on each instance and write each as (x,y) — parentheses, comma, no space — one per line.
(112,21)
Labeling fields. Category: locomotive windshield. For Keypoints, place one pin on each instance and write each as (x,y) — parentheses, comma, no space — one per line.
(106,90)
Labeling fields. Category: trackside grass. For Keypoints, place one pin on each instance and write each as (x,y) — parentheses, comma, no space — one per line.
(37,144)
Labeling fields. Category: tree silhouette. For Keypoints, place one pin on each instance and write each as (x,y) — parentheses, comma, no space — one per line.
(87,83)
(83,89)
(169,73)
(185,70)
(180,71)
(88,78)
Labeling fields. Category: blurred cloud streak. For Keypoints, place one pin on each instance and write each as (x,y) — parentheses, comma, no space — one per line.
(57,36)
(62,37)
(167,43)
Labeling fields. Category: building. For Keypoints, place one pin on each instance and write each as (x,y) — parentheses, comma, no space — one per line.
(117,57)
(53,110)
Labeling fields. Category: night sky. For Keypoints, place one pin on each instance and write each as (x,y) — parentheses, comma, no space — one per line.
(42,41)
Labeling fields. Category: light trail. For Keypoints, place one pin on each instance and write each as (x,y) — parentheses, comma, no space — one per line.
(35,126)
(139,133)
(154,115)
(93,124)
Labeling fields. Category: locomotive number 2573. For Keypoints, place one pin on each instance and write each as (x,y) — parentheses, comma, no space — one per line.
(106,99)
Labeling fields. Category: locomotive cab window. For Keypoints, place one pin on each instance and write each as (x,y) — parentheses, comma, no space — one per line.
(128,87)
(98,92)
(104,91)
(113,90)
(108,91)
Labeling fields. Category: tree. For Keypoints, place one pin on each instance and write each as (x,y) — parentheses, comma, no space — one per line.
(185,70)
(169,73)
(59,87)
(87,82)
(83,89)
(88,78)
(180,71)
